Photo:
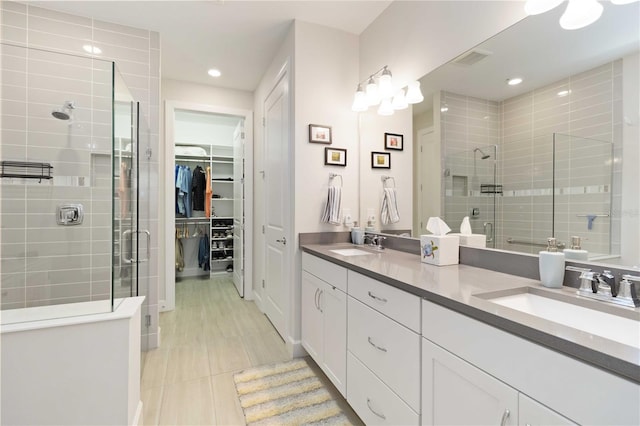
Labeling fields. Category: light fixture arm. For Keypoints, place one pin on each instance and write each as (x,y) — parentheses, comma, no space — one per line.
(375,74)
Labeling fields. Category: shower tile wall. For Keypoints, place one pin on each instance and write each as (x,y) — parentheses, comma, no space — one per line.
(38,266)
(467,124)
(590,108)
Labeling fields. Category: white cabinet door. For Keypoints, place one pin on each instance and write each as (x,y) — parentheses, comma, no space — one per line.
(333,304)
(312,322)
(455,392)
(532,413)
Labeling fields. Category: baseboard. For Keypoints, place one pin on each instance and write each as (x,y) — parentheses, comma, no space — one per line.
(295,349)
(137,418)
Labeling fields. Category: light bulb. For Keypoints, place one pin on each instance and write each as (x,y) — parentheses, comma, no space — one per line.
(580,13)
(414,94)
(385,88)
(536,7)
(373,94)
(385,107)
(360,100)
(399,101)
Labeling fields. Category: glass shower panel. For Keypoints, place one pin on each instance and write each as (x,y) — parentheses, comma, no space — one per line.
(471,190)
(583,173)
(56,243)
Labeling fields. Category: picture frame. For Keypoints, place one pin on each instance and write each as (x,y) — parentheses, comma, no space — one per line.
(393,141)
(380,160)
(319,133)
(335,157)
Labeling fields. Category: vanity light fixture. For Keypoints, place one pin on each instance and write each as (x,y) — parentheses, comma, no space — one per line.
(384,93)
(514,81)
(89,48)
(578,14)
(214,72)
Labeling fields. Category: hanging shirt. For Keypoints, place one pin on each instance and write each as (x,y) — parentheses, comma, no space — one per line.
(175,179)
(198,188)
(207,194)
(187,191)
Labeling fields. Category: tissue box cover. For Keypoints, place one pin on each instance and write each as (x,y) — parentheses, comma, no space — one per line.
(439,249)
(473,240)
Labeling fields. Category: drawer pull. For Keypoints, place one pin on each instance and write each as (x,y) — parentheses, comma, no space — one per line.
(373,296)
(376,346)
(505,416)
(374,411)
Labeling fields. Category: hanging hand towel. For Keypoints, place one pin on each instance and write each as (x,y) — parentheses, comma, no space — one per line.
(389,213)
(331,212)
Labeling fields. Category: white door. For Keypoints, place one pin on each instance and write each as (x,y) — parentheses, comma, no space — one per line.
(277,199)
(455,392)
(429,171)
(238,208)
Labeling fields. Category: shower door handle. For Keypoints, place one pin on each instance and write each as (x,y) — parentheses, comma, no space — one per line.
(122,251)
(490,234)
(146,231)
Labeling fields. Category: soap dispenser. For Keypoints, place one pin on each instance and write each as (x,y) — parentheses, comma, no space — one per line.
(551,265)
(576,252)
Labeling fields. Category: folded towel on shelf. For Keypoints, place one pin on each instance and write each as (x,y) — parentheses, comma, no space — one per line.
(389,212)
(331,212)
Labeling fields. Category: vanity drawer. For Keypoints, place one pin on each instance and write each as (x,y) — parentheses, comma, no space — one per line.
(372,400)
(394,303)
(390,350)
(326,271)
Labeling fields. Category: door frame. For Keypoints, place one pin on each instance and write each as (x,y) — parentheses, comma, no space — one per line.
(167,301)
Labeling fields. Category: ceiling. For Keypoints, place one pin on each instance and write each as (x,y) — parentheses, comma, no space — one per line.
(538,50)
(237,37)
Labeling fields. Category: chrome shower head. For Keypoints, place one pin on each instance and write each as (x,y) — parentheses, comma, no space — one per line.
(484,156)
(64,113)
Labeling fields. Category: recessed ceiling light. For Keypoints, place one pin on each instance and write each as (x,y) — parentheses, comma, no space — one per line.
(92,49)
(514,81)
(214,72)
(563,93)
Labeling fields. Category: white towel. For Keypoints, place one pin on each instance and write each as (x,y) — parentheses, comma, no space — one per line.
(331,212)
(389,212)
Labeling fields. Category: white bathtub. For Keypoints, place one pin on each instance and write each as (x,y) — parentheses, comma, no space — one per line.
(76,370)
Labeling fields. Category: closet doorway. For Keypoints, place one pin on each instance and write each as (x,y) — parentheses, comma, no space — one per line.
(208,158)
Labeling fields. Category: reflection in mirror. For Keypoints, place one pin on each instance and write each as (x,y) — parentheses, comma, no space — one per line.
(543,158)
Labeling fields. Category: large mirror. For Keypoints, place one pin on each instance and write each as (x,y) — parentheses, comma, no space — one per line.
(542,158)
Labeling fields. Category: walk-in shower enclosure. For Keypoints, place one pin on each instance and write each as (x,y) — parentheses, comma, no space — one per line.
(69,185)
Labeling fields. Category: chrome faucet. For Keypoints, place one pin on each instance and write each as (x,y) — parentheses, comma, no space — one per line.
(375,241)
(603,286)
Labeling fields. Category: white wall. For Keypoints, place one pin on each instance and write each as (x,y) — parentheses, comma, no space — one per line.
(326,73)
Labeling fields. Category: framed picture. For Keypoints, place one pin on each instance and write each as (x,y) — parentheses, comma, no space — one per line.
(319,133)
(335,157)
(380,160)
(393,141)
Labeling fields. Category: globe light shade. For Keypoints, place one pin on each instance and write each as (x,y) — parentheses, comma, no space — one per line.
(360,103)
(385,87)
(373,93)
(399,101)
(385,107)
(414,94)
(580,13)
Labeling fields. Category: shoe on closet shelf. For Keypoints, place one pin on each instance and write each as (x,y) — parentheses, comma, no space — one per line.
(230,268)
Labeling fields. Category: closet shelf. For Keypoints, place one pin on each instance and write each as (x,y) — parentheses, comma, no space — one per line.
(222,199)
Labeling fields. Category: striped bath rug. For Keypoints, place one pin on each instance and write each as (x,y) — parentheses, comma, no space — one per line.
(286,394)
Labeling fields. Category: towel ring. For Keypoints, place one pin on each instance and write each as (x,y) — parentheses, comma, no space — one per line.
(385,179)
(335,175)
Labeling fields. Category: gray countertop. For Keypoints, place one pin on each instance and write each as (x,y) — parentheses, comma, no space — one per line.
(457,287)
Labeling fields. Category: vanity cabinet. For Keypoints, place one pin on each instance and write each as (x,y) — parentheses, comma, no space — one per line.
(457,393)
(549,385)
(383,352)
(324,317)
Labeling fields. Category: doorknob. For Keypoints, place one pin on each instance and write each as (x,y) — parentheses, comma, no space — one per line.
(283,241)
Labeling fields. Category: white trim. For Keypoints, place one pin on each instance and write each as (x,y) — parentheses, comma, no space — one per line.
(168,224)
(138,417)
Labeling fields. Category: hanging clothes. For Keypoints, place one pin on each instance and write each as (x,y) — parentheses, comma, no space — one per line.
(208,193)
(175,179)
(204,253)
(183,184)
(179,255)
(198,188)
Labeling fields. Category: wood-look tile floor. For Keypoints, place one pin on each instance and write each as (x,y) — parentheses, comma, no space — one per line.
(211,335)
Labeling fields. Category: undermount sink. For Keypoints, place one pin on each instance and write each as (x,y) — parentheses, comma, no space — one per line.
(566,310)
(350,252)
